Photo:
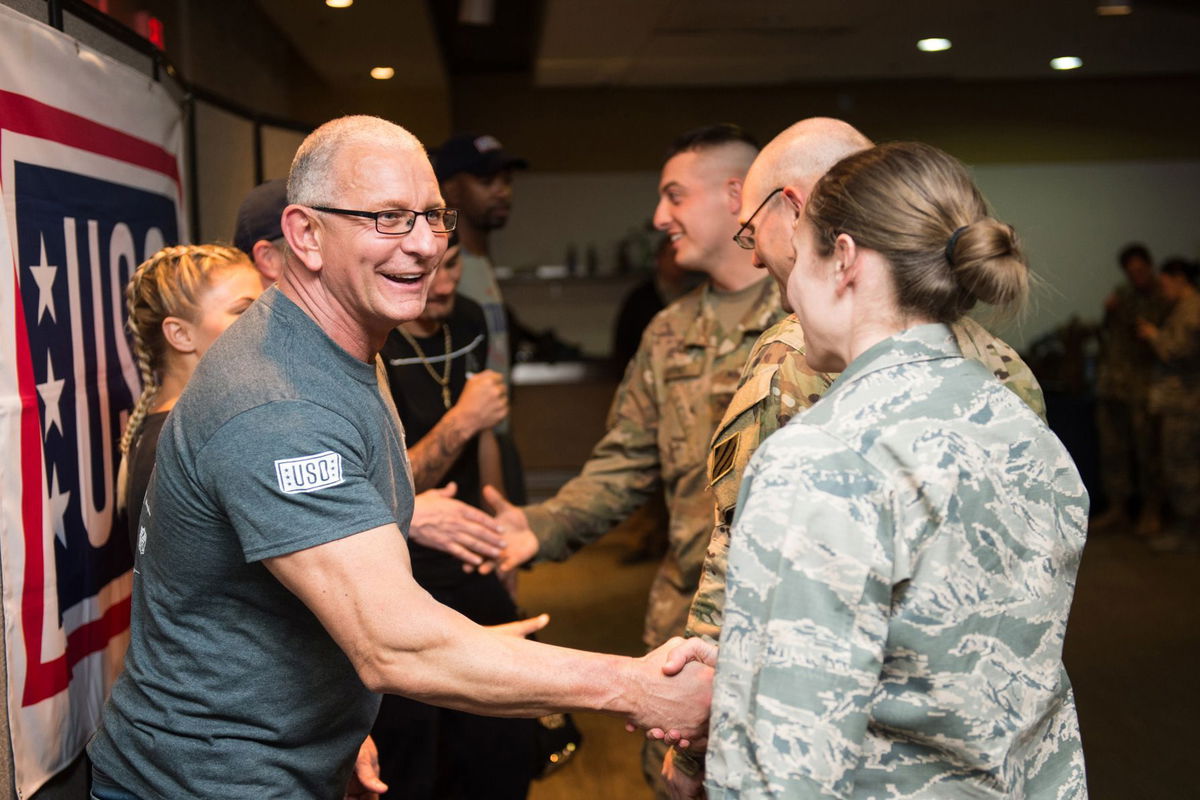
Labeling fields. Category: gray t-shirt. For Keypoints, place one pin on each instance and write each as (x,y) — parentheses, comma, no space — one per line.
(232,688)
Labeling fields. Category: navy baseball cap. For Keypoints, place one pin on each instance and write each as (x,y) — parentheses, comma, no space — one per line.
(259,214)
(478,155)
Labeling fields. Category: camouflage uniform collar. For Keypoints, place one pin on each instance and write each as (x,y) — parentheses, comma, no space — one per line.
(922,343)
(762,315)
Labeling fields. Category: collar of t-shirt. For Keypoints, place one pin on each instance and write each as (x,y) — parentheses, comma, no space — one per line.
(305,326)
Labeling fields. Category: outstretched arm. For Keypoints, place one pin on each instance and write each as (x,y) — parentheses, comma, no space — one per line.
(402,641)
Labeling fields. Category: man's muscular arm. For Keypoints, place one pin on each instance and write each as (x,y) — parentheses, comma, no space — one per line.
(435,655)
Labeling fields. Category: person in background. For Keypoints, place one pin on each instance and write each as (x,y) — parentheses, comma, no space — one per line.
(475,174)
(904,554)
(668,283)
(777,382)
(449,404)
(179,301)
(1174,403)
(673,394)
(257,231)
(1128,461)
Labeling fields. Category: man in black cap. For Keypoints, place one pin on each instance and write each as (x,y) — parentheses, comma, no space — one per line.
(258,233)
(475,174)
(476,177)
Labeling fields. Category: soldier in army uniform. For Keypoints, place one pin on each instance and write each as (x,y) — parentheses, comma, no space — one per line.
(777,382)
(904,554)
(1175,403)
(1128,458)
(673,393)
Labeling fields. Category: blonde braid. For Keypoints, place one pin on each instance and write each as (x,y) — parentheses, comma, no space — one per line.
(168,284)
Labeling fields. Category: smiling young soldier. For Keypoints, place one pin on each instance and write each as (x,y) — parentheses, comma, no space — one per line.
(674,391)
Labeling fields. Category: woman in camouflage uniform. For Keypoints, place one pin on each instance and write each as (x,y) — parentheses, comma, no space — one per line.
(905,551)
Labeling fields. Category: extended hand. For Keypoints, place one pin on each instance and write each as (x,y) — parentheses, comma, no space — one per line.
(522,627)
(1147,330)
(443,523)
(364,783)
(521,545)
(484,400)
(676,703)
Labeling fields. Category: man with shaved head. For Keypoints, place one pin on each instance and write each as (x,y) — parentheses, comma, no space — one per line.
(777,382)
(674,391)
(274,598)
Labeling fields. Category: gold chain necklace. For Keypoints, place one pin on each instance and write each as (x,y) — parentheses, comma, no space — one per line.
(443,380)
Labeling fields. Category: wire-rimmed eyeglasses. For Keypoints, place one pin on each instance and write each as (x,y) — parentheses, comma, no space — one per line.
(746,240)
(399,221)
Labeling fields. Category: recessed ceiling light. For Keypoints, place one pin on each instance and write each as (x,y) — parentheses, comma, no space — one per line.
(1113,8)
(933,45)
(382,73)
(339,3)
(1066,62)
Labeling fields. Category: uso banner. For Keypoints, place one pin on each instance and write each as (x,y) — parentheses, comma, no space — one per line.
(89,186)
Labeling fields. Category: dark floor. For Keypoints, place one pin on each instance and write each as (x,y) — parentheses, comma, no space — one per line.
(1133,653)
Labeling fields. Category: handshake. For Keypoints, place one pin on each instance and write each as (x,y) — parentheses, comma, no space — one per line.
(678,693)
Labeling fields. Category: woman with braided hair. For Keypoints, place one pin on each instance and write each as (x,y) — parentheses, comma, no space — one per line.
(180,300)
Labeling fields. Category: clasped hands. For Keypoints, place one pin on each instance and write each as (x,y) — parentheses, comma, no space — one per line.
(690,661)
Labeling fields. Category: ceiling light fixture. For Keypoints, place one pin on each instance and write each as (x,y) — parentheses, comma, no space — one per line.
(933,45)
(339,3)
(1113,8)
(382,73)
(1066,62)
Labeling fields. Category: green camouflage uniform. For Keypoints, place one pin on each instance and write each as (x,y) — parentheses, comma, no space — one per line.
(1175,402)
(662,418)
(901,569)
(1126,434)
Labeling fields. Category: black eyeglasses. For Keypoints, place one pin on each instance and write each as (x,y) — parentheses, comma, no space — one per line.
(399,221)
(746,240)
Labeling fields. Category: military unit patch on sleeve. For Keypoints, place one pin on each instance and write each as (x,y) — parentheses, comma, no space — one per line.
(724,454)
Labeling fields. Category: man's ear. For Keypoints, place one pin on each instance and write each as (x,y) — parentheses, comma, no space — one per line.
(794,201)
(733,192)
(267,260)
(303,236)
(179,334)
(848,264)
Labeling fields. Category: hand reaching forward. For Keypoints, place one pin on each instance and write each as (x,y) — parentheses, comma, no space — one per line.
(522,627)
(676,701)
(443,523)
(521,544)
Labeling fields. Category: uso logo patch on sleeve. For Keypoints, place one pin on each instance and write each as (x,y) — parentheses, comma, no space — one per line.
(309,473)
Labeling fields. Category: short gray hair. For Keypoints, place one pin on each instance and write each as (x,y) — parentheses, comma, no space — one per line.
(311,180)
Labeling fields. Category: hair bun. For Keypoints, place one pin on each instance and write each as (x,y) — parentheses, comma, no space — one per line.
(986,261)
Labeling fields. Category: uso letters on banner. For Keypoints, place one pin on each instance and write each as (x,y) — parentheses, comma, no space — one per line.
(90,184)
